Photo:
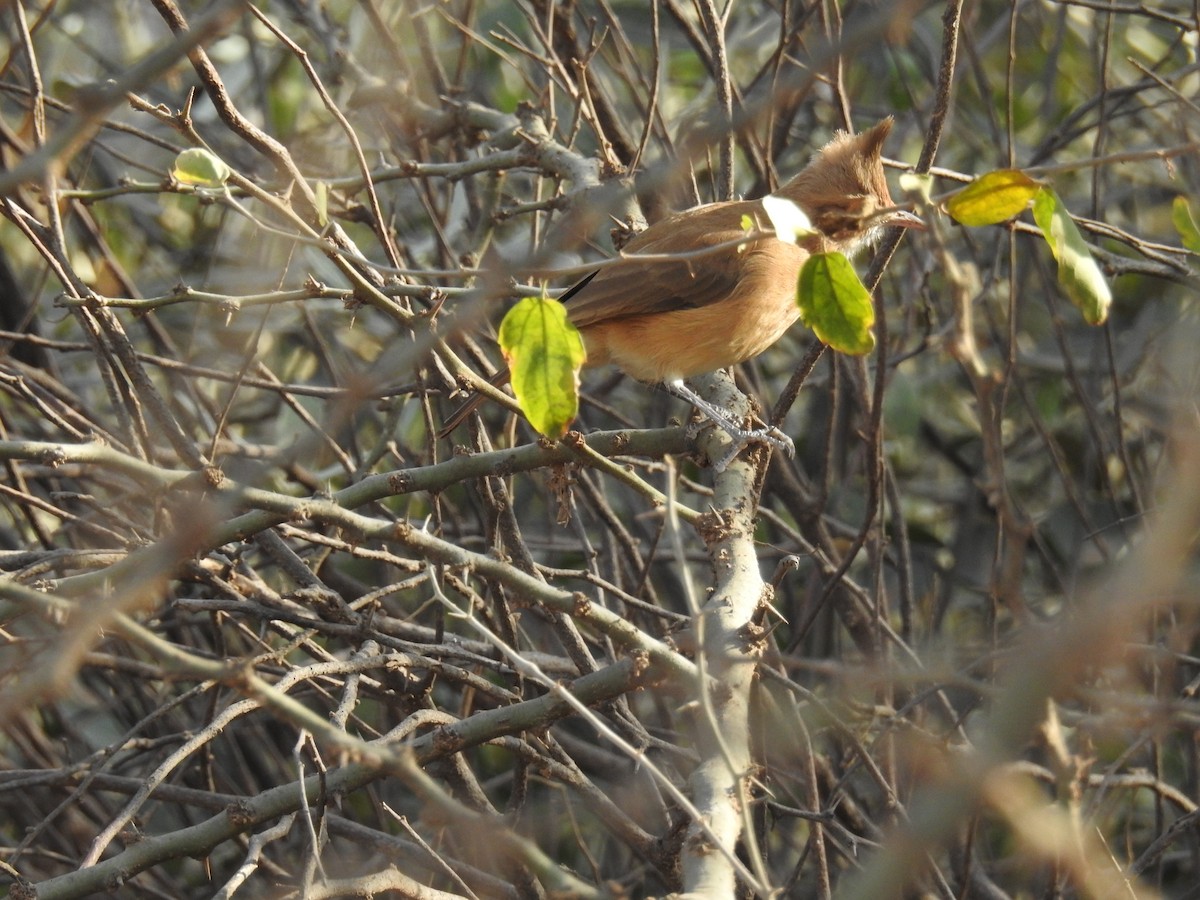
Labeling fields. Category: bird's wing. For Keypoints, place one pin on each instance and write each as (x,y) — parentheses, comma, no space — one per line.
(636,286)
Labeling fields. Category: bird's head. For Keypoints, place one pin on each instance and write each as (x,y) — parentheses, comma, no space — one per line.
(844,191)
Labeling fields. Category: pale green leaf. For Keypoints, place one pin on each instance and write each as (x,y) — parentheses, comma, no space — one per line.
(321,194)
(545,352)
(200,168)
(835,304)
(917,185)
(1185,223)
(993,198)
(1078,272)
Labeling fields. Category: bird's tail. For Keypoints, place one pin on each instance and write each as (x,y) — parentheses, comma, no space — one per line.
(472,403)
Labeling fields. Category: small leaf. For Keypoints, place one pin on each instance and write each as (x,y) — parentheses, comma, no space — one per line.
(1185,223)
(789,220)
(321,194)
(545,353)
(747,223)
(993,198)
(1078,273)
(835,304)
(201,168)
(917,185)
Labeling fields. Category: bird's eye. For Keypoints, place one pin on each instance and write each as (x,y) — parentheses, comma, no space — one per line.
(846,219)
(837,225)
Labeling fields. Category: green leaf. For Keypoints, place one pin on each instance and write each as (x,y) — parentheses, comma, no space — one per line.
(545,352)
(201,168)
(1185,223)
(993,198)
(1078,273)
(835,304)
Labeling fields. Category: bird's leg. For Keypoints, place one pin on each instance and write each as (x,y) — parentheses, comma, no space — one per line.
(742,437)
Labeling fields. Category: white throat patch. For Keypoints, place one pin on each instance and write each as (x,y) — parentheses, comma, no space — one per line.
(789,220)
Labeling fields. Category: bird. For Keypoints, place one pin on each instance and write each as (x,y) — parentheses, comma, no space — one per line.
(695,292)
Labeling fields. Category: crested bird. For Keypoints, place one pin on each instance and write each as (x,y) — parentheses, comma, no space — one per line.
(693,293)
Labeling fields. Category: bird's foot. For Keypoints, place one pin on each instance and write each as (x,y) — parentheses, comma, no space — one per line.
(743,438)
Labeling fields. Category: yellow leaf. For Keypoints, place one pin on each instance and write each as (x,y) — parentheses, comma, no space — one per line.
(993,198)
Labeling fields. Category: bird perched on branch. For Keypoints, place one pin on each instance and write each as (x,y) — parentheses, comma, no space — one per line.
(692,293)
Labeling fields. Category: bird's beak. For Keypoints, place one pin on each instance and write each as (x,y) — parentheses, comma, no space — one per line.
(902,218)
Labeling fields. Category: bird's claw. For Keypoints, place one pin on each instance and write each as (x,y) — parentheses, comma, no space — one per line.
(743,438)
(780,441)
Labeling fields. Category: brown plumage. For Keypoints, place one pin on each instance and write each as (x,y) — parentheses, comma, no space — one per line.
(668,319)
